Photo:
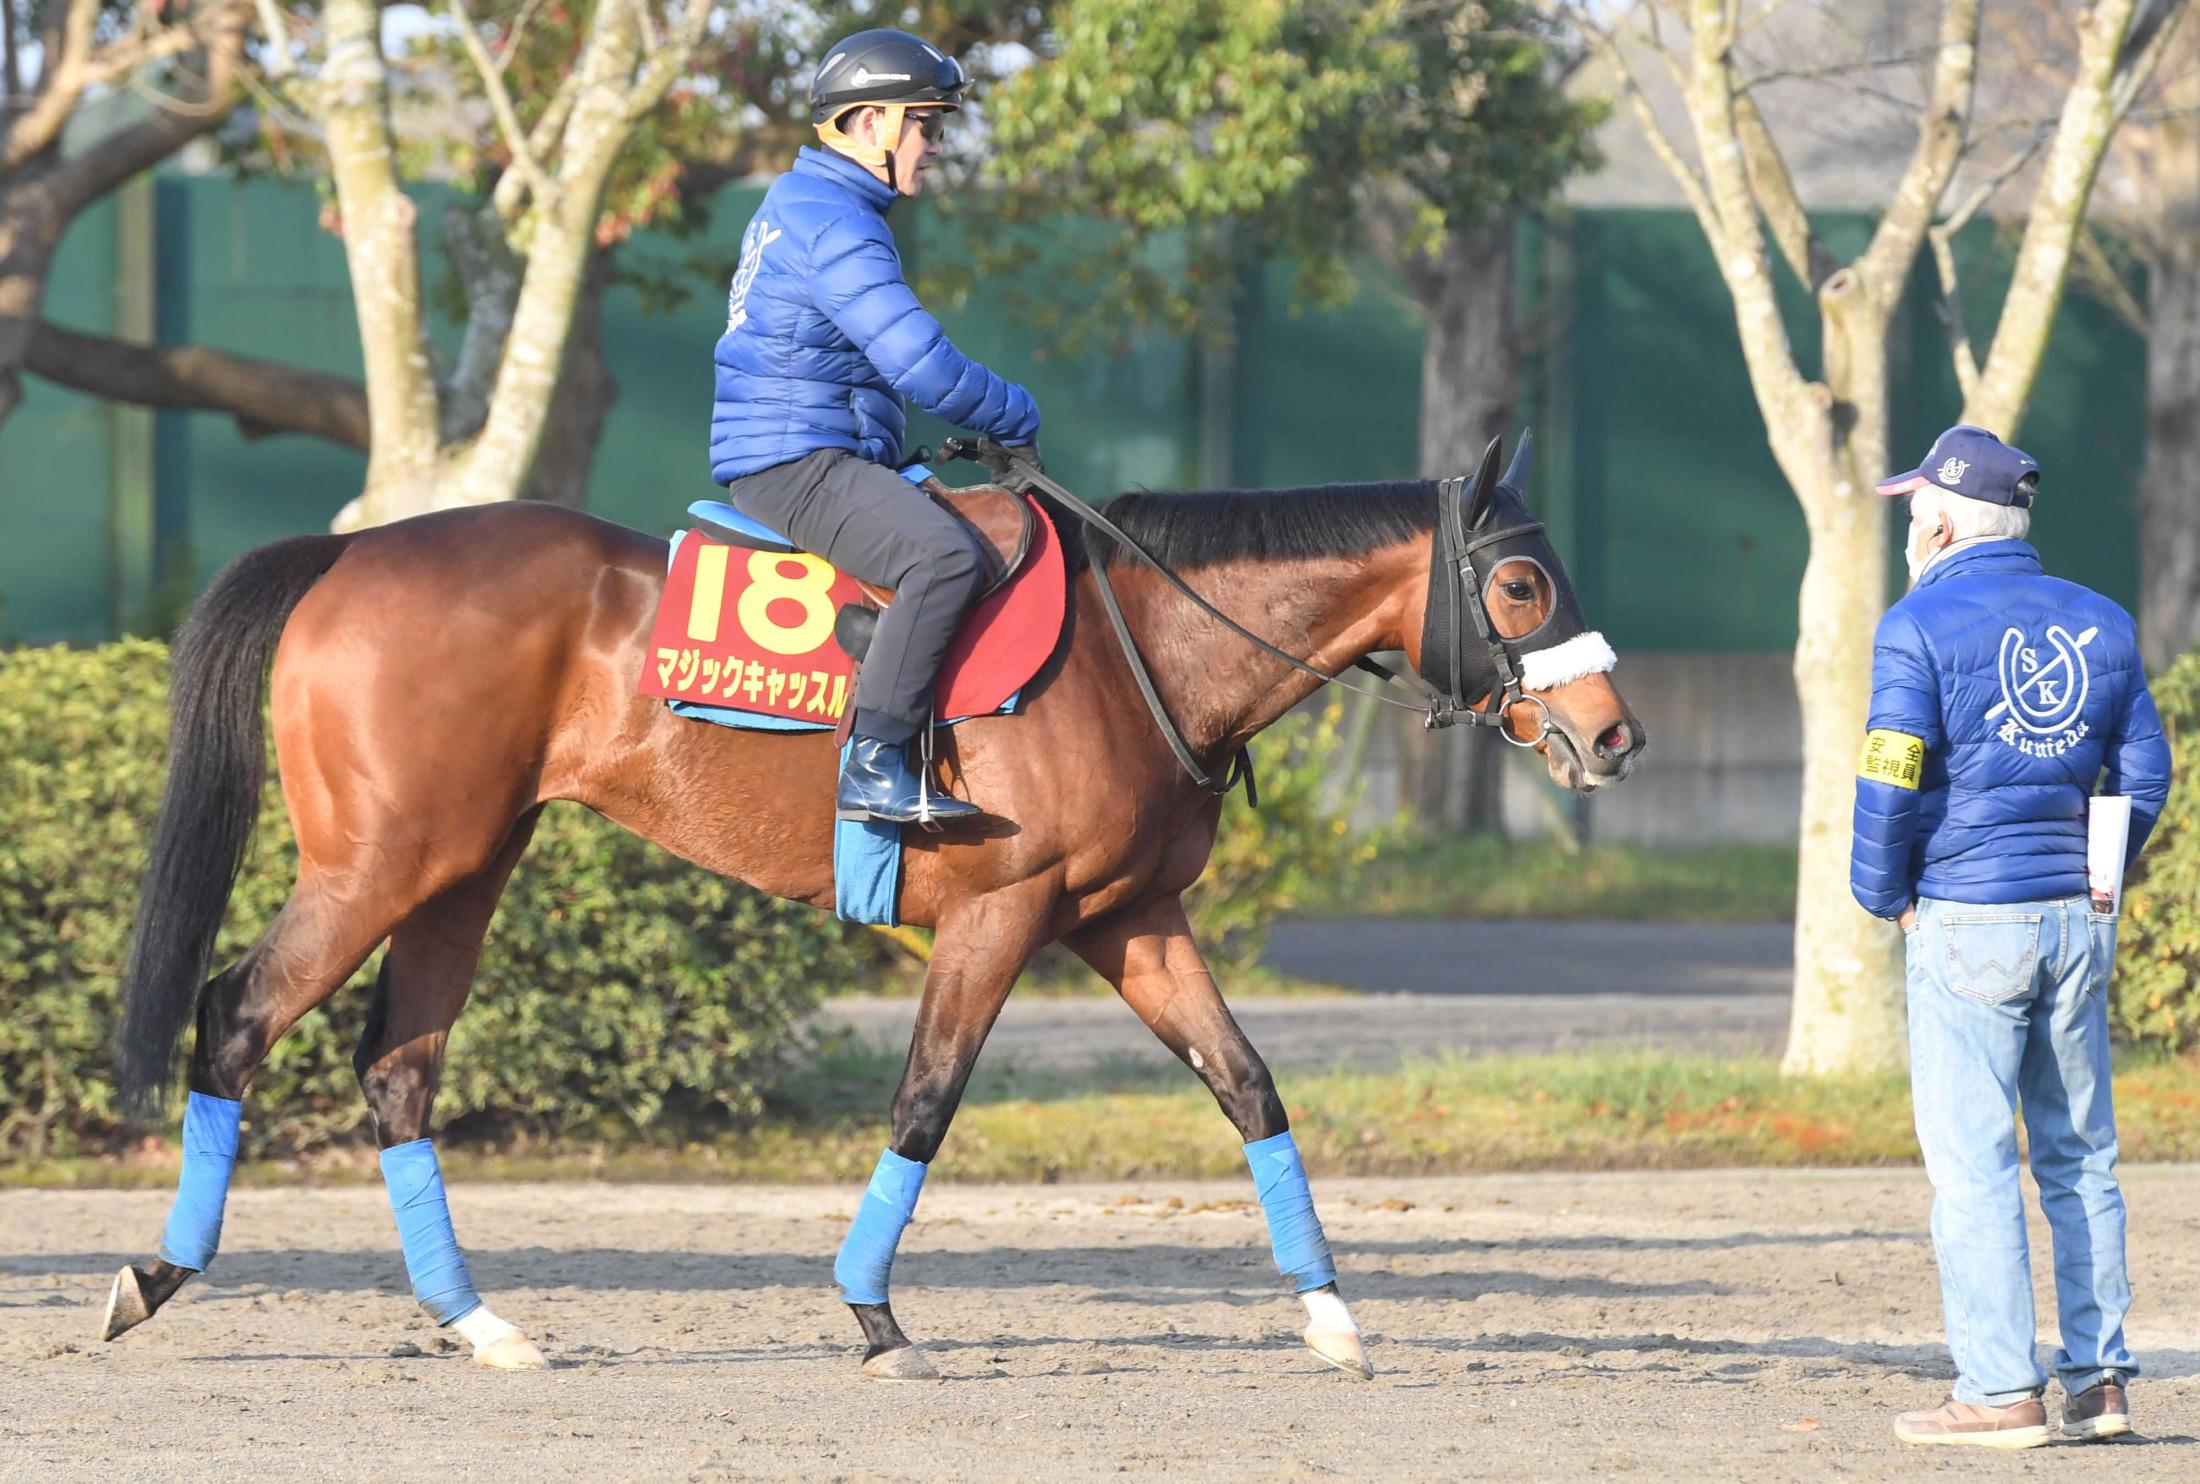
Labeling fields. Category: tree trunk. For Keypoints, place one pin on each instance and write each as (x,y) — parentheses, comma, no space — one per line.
(561,245)
(29,233)
(384,258)
(2169,487)
(1849,1011)
(1469,391)
(586,392)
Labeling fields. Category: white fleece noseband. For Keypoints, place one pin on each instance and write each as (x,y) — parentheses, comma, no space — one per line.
(1562,664)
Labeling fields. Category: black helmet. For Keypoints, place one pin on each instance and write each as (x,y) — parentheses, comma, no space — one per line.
(885,68)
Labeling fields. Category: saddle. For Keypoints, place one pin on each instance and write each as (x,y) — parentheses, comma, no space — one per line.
(1000,522)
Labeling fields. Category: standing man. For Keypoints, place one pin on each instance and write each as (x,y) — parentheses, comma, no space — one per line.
(823,340)
(1999,696)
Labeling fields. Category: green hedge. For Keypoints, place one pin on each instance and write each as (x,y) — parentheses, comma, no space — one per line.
(2158,948)
(622,992)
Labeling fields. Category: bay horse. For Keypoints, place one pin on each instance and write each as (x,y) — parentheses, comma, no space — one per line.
(437,681)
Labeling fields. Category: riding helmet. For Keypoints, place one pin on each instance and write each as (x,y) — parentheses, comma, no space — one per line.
(884,68)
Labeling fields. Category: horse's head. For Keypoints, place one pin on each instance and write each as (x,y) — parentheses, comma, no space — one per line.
(1503,634)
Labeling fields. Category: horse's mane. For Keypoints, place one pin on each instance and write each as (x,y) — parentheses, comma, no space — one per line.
(1184,529)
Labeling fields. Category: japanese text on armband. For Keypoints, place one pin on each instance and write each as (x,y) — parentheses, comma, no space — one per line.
(1895,758)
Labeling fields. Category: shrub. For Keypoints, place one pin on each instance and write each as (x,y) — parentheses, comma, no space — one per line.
(2158,949)
(622,991)
(1272,860)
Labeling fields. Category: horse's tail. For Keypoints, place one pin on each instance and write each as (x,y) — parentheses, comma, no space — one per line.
(216,761)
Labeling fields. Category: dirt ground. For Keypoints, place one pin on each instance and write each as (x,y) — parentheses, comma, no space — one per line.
(1711,1326)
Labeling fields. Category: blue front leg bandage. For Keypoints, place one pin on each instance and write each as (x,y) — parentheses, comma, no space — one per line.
(202,1186)
(438,1269)
(866,1260)
(1294,1231)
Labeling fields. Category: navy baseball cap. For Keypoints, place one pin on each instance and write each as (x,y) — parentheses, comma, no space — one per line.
(1973,463)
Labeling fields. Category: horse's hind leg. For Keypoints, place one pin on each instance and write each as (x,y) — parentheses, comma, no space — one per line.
(1148,954)
(426,976)
(981,946)
(315,943)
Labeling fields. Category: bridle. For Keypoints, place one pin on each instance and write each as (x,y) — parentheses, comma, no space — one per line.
(1454,571)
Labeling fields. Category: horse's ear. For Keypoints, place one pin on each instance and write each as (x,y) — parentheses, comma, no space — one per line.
(1485,483)
(1522,467)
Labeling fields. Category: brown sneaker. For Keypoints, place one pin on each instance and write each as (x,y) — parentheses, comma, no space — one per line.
(2019,1425)
(2098,1412)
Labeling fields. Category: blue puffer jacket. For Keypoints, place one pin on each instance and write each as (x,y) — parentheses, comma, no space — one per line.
(824,339)
(1998,695)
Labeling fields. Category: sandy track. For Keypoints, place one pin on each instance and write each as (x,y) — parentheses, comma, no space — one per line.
(1701,1327)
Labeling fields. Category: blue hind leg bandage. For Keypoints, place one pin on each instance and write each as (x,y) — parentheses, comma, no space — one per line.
(1294,1231)
(202,1187)
(432,1259)
(866,1261)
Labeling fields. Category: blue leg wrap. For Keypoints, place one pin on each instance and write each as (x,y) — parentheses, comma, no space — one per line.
(432,1258)
(866,1260)
(202,1188)
(1294,1231)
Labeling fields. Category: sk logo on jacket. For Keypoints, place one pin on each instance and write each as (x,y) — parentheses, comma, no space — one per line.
(2042,695)
(760,236)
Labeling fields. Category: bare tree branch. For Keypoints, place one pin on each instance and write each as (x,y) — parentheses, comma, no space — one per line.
(510,193)
(1661,144)
(500,107)
(63,79)
(1941,128)
(206,101)
(1774,189)
(2100,275)
(280,64)
(2089,118)
(265,397)
(669,61)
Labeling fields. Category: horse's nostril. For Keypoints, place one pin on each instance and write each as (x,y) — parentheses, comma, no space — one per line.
(1614,742)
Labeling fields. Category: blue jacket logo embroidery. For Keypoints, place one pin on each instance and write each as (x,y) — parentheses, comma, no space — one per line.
(761,235)
(2043,696)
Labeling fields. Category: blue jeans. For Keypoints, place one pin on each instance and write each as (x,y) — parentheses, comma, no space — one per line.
(2009,1004)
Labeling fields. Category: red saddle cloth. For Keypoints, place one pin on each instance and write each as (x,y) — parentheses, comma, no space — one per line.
(753,631)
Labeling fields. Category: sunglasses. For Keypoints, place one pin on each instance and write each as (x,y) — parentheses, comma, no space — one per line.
(931,123)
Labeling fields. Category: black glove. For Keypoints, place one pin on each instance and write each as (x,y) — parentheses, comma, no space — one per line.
(1031,452)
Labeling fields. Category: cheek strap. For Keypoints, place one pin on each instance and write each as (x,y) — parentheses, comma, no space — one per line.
(1562,664)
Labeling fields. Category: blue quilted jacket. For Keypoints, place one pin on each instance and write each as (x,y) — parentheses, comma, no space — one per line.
(824,339)
(1998,696)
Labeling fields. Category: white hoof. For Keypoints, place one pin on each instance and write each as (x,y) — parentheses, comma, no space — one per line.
(126,1306)
(906,1364)
(1341,1348)
(511,1353)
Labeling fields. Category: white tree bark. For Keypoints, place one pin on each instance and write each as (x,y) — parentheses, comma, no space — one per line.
(2108,76)
(383,254)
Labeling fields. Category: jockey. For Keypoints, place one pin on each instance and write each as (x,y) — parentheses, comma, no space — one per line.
(823,341)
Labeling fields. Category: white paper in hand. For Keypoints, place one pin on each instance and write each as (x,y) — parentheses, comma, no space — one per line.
(2107,834)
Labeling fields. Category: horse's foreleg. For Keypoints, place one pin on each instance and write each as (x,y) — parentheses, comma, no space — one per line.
(980,948)
(1148,954)
(425,979)
(313,946)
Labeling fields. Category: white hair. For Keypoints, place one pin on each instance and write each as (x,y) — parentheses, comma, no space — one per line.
(1971,520)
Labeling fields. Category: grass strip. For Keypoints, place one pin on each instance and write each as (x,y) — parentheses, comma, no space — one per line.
(1482,876)
(1444,1116)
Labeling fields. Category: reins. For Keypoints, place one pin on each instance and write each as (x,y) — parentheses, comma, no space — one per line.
(1016,469)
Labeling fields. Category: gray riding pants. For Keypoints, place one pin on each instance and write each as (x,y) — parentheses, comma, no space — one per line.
(874,525)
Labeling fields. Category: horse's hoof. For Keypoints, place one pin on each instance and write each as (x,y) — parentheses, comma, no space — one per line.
(1341,1348)
(512,1353)
(126,1305)
(905,1364)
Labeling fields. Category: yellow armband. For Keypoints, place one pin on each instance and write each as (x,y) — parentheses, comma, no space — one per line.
(1892,757)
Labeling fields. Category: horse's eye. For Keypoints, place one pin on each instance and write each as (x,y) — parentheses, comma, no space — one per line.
(1520,592)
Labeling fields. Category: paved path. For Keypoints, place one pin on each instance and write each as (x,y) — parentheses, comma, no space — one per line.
(1470,988)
